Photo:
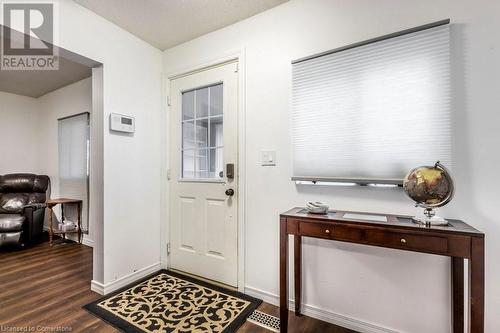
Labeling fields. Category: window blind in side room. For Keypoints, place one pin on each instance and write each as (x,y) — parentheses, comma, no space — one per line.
(74,153)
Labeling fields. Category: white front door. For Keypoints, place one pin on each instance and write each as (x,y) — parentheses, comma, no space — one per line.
(204,174)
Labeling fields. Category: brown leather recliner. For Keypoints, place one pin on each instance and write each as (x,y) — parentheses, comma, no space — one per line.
(22,207)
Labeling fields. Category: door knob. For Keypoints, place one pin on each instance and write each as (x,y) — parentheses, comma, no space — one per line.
(229,192)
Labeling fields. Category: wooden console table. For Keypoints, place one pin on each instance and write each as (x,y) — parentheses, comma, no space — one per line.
(458,241)
(63,201)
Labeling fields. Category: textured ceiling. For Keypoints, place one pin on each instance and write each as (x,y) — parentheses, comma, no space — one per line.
(166,23)
(35,83)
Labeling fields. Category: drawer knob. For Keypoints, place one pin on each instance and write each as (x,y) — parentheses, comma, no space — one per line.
(403,240)
(327,231)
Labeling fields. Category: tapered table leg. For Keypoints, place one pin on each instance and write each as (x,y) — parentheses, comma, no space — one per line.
(457,294)
(79,205)
(63,219)
(283,277)
(297,265)
(476,271)
(50,225)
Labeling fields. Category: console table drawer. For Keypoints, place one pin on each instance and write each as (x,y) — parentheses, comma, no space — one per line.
(415,242)
(323,230)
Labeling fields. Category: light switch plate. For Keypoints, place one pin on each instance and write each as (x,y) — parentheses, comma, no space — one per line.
(268,157)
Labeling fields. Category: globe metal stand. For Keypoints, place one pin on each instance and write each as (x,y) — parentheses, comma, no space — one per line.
(429,218)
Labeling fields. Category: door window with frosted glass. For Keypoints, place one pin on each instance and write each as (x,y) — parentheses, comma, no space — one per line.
(202,133)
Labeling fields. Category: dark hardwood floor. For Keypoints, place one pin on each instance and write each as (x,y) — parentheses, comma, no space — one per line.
(302,324)
(46,287)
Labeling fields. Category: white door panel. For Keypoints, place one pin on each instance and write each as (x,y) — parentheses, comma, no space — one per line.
(203,140)
(188,224)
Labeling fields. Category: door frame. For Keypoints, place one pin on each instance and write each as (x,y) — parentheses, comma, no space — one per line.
(239,57)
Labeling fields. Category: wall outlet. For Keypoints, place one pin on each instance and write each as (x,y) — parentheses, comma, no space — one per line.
(268,157)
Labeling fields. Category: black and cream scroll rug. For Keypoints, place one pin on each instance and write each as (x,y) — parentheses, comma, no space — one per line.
(173,303)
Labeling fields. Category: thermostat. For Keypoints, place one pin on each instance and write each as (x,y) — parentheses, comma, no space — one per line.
(121,123)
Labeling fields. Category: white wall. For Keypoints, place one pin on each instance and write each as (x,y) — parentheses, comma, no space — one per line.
(132,86)
(69,100)
(18,134)
(406,292)
(131,176)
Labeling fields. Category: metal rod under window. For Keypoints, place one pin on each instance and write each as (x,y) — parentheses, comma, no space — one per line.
(374,40)
(351,181)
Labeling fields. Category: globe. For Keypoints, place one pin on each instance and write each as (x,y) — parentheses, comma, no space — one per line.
(429,187)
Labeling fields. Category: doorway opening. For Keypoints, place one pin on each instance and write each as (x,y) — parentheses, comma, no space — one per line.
(58,114)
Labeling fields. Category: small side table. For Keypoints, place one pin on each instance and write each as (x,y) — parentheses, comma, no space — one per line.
(63,201)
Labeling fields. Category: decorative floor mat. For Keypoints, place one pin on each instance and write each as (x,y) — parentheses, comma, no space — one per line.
(265,320)
(171,302)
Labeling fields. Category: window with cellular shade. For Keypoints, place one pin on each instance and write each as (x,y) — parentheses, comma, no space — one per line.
(74,159)
(375,111)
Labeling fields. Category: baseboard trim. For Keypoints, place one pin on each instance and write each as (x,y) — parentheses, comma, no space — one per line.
(97,287)
(109,287)
(87,241)
(321,314)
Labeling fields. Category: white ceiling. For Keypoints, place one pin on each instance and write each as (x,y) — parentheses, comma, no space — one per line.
(166,23)
(34,83)
(39,83)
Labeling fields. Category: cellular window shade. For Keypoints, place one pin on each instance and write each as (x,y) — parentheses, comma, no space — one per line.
(74,149)
(374,111)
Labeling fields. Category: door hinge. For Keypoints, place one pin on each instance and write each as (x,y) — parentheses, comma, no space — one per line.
(169,101)
(168,174)
(168,249)
(237,68)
